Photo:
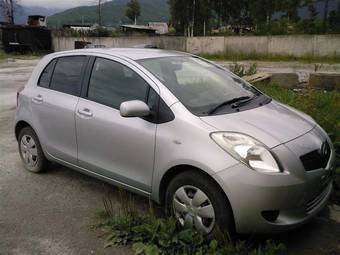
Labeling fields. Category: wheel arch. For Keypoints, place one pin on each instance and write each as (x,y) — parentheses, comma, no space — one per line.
(19,126)
(174,171)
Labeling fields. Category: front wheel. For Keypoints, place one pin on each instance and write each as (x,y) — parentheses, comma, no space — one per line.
(197,202)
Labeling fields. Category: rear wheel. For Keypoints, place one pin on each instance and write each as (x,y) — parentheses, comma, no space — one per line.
(197,202)
(31,152)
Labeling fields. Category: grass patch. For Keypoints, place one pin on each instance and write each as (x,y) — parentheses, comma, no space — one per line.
(322,106)
(148,234)
(253,56)
(4,56)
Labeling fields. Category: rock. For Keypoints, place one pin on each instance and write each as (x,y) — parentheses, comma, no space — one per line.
(326,81)
(287,80)
(257,77)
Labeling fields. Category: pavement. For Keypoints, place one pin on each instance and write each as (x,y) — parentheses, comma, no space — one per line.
(53,212)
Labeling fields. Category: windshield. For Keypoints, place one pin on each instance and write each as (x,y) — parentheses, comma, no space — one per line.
(199,85)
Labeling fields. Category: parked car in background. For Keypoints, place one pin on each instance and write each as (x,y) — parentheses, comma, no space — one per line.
(215,151)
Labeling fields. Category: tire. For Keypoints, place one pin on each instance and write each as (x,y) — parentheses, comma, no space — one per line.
(223,222)
(31,152)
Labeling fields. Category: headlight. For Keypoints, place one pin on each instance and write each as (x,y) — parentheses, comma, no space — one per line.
(247,150)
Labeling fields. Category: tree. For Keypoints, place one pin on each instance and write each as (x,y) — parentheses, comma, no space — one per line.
(7,8)
(133,10)
(180,15)
(191,17)
(334,20)
(325,15)
(310,24)
(290,8)
(262,11)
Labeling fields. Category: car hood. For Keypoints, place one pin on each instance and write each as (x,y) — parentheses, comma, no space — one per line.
(271,124)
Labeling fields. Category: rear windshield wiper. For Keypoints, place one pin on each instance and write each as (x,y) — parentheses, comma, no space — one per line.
(241,100)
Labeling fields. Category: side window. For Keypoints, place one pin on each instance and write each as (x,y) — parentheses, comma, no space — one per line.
(44,80)
(67,75)
(112,83)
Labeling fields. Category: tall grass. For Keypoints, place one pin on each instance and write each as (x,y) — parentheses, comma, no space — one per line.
(148,234)
(15,55)
(240,56)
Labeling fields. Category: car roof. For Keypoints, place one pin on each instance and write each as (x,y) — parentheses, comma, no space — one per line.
(131,53)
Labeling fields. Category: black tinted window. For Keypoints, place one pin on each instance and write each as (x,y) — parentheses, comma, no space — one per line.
(67,75)
(44,80)
(112,83)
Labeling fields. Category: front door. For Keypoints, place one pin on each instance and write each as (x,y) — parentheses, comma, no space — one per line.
(108,144)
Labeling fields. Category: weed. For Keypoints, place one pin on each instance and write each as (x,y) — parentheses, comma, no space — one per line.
(14,55)
(241,70)
(148,234)
(255,56)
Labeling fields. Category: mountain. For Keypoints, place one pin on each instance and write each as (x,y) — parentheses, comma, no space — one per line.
(113,13)
(21,12)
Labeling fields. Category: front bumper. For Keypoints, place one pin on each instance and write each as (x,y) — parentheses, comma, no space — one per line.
(271,203)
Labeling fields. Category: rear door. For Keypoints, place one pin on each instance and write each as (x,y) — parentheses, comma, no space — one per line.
(54,102)
(108,144)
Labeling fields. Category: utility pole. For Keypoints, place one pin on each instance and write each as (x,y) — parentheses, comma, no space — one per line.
(8,10)
(11,12)
(204,28)
(100,13)
(325,16)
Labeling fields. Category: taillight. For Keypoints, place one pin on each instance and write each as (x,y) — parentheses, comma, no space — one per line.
(18,93)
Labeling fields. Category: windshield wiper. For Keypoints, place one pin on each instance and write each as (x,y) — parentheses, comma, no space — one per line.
(241,100)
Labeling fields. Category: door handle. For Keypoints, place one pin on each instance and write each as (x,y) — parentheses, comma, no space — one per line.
(85,112)
(38,99)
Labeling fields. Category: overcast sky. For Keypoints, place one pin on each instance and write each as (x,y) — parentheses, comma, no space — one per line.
(58,3)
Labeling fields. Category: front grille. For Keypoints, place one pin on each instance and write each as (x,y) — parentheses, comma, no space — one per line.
(314,202)
(316,159)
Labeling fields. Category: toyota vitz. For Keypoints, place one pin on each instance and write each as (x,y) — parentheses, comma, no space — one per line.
(215,151)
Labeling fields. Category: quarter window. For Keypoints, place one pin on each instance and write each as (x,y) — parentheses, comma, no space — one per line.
(67,75)
(112,83)
(44,80)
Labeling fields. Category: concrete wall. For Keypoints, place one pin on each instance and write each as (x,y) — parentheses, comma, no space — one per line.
(173,43)
(295,45)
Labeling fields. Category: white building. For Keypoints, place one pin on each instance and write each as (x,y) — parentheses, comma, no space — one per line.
(160,27)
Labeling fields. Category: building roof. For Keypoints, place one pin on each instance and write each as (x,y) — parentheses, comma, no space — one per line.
(131,53)
(77,25)
(36,16)
(138,27)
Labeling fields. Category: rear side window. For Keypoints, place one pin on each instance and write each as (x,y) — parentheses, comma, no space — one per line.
(112,83)
(67,75)
(44,80)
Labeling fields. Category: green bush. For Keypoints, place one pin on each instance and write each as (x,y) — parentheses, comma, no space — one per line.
(148,234)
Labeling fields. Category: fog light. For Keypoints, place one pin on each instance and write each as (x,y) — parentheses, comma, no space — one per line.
(270,216)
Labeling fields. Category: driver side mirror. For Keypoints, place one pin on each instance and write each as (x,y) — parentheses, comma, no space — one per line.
(134,108)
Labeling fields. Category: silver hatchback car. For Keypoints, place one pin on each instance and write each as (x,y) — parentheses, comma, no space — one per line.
(215,151)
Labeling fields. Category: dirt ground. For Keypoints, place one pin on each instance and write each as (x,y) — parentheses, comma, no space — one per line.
(52,213)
